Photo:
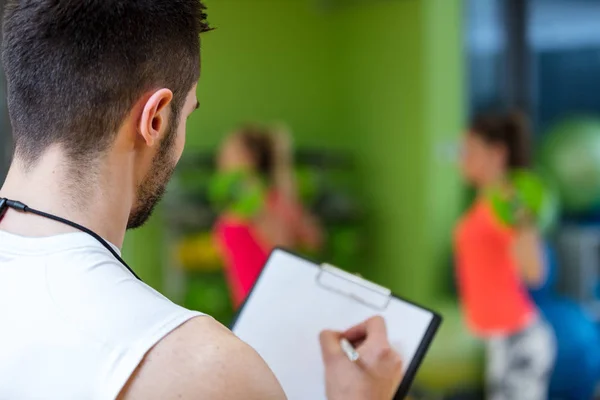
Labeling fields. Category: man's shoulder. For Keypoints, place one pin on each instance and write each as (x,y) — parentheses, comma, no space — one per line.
(95,292)
(202,359)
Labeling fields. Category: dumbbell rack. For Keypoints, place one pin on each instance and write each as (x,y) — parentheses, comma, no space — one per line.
(578,251)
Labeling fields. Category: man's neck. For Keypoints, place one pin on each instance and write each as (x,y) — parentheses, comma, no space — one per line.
(99,201)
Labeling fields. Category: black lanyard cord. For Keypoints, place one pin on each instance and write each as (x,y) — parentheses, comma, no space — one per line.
(5,204)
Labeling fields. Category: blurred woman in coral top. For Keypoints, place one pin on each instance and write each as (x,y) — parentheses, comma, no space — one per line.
(496,263)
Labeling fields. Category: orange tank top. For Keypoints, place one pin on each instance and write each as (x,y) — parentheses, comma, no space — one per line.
(494,298)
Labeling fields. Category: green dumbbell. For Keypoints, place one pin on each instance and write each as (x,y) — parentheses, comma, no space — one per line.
(527,199)
(242,193)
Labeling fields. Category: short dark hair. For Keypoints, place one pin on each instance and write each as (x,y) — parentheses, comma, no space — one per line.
(511,130)
(75,68)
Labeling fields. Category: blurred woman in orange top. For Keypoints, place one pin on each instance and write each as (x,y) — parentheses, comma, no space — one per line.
(496,263)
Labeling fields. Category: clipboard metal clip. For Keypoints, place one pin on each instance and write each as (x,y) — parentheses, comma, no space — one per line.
(346,284)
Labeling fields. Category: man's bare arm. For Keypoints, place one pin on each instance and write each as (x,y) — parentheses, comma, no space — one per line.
(202,360)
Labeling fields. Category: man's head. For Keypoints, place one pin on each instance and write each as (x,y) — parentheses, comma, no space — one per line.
(92,76)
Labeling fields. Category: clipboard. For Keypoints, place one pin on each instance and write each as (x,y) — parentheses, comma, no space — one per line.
(294,299)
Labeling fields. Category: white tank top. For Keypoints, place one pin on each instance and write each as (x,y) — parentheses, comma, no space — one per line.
(74,323)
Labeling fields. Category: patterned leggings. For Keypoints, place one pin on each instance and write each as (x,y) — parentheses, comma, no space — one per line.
(520,365)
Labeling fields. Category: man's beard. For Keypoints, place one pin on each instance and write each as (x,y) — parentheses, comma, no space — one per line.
(154,185)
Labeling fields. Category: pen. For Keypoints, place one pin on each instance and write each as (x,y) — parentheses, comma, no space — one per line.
(349,350)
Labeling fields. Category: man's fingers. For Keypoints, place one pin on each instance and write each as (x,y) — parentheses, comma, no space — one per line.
(357,333)
(371,341)
(330,344)
(370,336)
(372,329)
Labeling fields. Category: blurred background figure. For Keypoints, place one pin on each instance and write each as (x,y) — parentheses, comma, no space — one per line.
(499,254)
(256,190)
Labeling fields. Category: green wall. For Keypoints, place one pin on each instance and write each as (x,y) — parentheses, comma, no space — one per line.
(445,113)
(401,93)
(381,79)
(265,61)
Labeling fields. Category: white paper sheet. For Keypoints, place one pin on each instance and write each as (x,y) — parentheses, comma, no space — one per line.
(288,309)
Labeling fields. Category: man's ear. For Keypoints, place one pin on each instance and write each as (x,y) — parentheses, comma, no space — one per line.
(155,116)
